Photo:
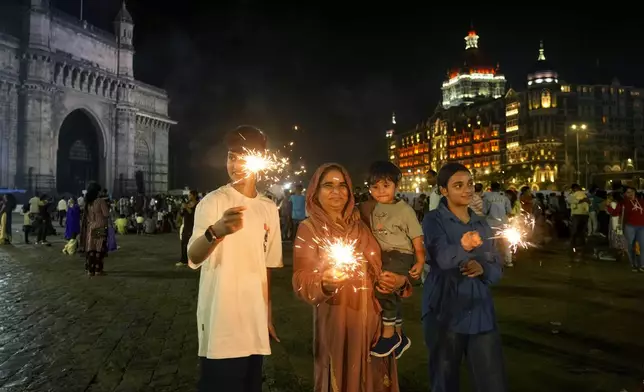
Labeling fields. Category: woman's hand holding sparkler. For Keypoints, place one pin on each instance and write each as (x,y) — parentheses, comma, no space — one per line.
(472,269)
(332,279)
(471,240)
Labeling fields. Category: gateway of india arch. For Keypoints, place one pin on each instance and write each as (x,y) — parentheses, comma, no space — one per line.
(71,110)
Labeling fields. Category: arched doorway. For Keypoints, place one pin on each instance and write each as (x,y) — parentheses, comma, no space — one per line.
(78,157)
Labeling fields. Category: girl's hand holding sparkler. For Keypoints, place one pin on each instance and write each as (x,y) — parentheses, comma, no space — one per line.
(471,240)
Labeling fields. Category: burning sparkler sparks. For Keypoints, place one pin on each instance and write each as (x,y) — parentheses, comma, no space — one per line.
(343,257)
(263,164)
(516,232)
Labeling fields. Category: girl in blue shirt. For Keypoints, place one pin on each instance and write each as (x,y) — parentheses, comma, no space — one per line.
(458,311)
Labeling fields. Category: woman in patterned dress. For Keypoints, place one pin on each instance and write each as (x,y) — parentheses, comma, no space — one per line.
(95,222)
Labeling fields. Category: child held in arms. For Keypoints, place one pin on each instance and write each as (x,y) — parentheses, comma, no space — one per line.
(395,226)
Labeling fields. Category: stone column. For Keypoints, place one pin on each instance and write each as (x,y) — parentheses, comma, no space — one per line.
(35,141)
(123,148)
(161,157)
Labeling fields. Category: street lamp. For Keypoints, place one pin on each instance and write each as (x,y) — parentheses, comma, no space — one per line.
(578,128)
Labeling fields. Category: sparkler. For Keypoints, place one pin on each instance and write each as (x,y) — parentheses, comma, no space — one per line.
(343,257)
(516,232)
(264,164)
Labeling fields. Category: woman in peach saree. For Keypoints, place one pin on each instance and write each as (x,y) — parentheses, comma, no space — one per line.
(346,314)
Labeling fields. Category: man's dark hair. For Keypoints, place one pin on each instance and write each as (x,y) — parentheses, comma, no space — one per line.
(384,170)
(478,187)
(432,172)
(245,137)
(496,187)
(575,187)
(299,187)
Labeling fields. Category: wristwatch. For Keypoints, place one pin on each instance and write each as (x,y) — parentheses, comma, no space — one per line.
(210,235)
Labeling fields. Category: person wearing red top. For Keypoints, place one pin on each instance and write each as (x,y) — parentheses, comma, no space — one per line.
(632,209)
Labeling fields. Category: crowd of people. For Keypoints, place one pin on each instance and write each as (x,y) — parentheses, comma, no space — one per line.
(90,222)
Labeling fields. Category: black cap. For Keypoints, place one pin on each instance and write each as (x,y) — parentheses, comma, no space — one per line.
(245,137)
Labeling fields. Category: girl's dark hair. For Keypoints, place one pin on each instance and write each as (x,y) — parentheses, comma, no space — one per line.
(384,170)
(93,190)
(447,171)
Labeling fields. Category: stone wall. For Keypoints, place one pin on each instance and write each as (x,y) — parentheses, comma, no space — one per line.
(97,49)
(9,69)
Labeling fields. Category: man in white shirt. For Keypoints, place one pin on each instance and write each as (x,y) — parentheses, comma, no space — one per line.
(434,199)
(434,196)
(236,240)
(62,211)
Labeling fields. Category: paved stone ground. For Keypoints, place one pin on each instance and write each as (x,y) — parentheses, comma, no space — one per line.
(133,330)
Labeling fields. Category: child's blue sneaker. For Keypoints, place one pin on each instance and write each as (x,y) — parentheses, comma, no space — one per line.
(405,343)
(386,346)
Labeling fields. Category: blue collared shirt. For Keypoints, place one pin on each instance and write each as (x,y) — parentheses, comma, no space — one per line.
(464,304)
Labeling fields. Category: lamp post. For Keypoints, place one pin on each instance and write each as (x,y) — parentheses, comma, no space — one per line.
(578,128)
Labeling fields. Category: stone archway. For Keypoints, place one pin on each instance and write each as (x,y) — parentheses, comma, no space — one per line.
(79,158)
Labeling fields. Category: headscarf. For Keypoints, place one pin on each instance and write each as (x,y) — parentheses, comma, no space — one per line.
(350,226)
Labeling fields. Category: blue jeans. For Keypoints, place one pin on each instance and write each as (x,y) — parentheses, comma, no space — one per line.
(634,234)
(482,351)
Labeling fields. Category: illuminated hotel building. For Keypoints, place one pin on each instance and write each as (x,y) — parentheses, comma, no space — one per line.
(475,136)
(541,126)
(413,159)
(473,79)
(391,141)
(528,137)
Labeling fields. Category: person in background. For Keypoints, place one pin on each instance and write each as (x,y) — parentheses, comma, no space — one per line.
(62,211)
(96,220)
(579,210)
(631,208)
(593,213)
(44,220)
(526,200)
(81,202)
(72,221)
(458,313)
(477,200)
(298,209)
(434,195)
(6,213)
(188,214)
(514,202)
(149,224)
(419,204)
(26,222)
(121,224)
(139,223)
(285,215)
(434,200)
(497,209)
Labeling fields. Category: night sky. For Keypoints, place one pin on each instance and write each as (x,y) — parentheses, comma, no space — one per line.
(338,70)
